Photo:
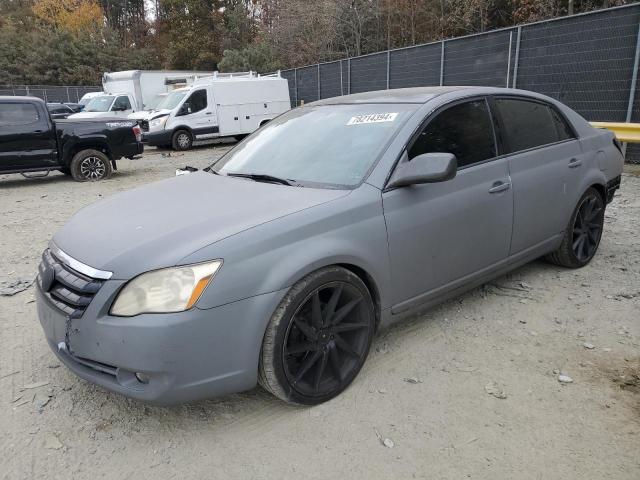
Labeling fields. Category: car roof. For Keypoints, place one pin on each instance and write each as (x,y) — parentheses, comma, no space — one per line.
(419,95)
(4,98)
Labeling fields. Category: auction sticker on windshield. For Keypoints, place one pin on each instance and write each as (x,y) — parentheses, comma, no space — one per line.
(372,118)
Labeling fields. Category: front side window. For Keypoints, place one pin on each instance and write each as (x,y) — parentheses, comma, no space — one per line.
(529,124)
(13,114)
(464,130)
(196,102)
(330,146)
(121,104)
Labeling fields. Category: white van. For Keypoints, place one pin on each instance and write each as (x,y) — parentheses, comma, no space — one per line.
(223,105)
(134,91)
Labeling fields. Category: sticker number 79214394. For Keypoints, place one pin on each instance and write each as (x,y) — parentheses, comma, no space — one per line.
(372,118)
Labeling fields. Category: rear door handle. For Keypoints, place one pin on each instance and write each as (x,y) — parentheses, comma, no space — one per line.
(574,162)
(209,113)
(499,187)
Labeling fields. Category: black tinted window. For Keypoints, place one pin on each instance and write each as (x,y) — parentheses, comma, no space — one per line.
(18,114)
(530,124)
(564,130)
(197,101)
(59,109)
(464,130)
(122,103)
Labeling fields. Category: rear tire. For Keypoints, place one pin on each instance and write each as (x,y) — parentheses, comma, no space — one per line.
(181,140)
(318,338)
(90,166)
(582,236)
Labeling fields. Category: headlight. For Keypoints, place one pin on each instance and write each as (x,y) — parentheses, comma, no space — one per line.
(164,291)
(159,122)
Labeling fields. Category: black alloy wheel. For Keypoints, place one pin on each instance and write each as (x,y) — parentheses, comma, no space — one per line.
(582,236)
(318,338)
(587,228)
(327,339)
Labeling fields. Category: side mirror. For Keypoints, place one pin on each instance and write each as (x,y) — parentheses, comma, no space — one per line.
(425,168)
(184,110)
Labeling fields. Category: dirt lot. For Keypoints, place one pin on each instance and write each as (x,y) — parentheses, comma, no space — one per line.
(435,386)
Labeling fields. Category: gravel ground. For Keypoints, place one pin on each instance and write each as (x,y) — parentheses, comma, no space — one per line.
(468,390)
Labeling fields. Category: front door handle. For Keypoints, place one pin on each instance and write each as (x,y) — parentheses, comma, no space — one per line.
(574,162)
(208,113)
(499,187)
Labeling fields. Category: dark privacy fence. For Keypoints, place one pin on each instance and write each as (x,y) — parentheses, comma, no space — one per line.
(587,61)
(48,93)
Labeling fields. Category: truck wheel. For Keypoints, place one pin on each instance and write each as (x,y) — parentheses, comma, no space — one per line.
(90,166)
(181,140)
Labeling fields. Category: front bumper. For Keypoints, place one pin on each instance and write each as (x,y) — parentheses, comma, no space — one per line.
(186,356)
(156,139)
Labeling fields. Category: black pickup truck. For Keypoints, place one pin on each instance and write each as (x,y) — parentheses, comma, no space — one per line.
(86,149)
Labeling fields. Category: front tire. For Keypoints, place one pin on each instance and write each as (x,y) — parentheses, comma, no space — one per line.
(318,338)
(90,166)
(582,236)
(181,140)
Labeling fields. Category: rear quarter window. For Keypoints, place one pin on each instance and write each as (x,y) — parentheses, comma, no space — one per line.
(14,114)
(530,124)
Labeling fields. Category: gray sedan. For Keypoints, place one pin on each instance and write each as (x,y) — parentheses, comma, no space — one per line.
(277,264)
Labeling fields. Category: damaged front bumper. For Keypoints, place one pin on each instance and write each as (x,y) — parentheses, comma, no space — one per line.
(159,358)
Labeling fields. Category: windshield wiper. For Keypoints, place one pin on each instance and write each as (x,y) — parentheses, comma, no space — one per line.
(261,177)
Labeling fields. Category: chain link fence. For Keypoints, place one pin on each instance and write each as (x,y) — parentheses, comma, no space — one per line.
(49,93)
(587,61)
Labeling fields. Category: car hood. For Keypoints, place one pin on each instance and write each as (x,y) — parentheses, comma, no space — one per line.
(159,224)
(149,114)
(91,115)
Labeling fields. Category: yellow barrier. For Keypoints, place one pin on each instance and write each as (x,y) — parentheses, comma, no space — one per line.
(625,132)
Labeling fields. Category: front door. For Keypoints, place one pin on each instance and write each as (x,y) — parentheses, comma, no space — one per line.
(26,137)
(441,233)
(197,114)
(121,106)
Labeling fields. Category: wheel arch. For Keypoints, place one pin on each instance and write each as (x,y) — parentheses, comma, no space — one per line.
(77,147)
(601,189)
(370,283)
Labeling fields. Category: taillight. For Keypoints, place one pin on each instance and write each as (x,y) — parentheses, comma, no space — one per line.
(137,131)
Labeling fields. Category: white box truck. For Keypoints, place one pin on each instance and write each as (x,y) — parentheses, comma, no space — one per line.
(134,91)
(222,105)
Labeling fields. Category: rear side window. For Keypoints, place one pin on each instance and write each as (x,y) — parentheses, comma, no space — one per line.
(12,114)
(197,101)
(527,124)
(464,130)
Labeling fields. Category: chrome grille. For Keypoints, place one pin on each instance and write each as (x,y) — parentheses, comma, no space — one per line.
(69,290)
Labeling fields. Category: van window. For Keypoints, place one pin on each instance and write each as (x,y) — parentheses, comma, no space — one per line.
(464,130)
(196,102)
(12,114)
(529,124)
(121,104)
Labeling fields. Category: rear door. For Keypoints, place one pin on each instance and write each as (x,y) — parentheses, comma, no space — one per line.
(27,139)
(545,161)
(440,234)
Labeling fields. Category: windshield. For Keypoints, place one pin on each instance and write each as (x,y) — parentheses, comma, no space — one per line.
(85,101)
(100,104)
(331,145)
(172,100)
(155,101)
